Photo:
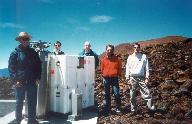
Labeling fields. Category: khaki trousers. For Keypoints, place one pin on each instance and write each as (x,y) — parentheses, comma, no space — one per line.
(145,93)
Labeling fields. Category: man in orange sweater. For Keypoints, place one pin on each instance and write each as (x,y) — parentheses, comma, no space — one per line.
(111,68)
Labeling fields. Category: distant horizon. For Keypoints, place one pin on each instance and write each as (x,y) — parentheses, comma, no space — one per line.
(4,68)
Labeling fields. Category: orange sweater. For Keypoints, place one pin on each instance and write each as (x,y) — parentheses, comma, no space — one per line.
(111,67)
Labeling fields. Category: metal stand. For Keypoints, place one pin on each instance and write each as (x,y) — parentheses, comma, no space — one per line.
(76,107)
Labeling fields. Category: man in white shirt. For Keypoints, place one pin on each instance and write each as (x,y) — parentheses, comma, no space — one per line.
(137,73)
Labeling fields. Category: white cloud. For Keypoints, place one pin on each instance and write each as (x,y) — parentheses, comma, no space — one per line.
(100,19)
(10,25)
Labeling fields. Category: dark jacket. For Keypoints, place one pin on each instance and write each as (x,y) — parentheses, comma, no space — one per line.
(24,65)
(59,53)
(91,53)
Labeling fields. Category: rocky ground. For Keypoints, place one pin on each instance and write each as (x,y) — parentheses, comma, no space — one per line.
(6,89)
(170,84)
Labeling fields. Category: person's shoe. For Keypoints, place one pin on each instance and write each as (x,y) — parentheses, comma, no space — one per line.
(153,108)
(117,110)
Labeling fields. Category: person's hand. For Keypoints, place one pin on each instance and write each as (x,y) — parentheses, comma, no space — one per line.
(37,81)
(18,84)
(146,80)
(128,81)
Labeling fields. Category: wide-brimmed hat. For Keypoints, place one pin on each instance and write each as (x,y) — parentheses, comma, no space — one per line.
(23,35)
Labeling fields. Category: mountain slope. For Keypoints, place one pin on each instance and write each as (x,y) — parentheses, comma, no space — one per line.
(170,84)
(126,48)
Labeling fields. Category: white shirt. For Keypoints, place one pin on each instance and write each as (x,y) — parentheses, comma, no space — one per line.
(137,65)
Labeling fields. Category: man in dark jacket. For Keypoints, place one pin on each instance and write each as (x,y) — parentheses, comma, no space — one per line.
(25,71)
(57,48)
(89,52)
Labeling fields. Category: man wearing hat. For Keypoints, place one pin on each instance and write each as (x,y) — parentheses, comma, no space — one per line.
(137,73)
(25,71)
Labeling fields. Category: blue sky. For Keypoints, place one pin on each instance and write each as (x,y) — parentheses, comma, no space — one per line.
(99,21)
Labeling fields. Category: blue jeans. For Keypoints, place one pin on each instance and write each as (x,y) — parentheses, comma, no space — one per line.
(111,81)
(31,90)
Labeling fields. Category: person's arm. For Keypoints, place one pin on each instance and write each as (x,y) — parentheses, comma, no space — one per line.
(127,71)
(147,71)
(101,65)
(12,66)
(120,68)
